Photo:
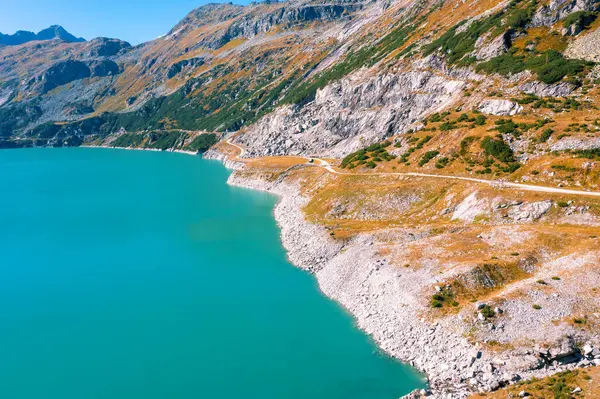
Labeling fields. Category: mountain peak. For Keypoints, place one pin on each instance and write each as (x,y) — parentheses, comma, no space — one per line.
(50,33)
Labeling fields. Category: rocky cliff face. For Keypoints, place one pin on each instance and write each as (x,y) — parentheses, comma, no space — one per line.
(555,10)
(352,113)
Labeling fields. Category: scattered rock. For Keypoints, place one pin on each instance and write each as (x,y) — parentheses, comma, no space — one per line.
(585,47)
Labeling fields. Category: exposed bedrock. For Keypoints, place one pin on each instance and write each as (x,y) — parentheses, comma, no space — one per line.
(351,113)
(69,71)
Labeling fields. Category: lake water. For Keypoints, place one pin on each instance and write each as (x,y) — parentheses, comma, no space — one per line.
(130,274)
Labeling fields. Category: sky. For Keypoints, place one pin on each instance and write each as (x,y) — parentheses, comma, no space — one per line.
(135,21)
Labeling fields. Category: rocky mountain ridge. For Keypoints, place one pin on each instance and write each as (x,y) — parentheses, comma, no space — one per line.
(51,33)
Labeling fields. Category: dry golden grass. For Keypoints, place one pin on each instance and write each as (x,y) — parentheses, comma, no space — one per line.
(281,163)
(544,38)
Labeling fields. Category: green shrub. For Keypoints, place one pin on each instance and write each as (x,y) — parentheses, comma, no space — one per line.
(545,135)
(445,295)
(480,120)
(581,18)
(487,312)
(511,167)
(428,156)
(589,154)
(507,126)
(564,168)
(549,66)
(444,127)
(422,142)
(536,307)
(498,149)
(164,140)
(442,162)
(463,118)
(519,19)
(128,140)
(203,142)
(465,143)
(435,118)
(456,45)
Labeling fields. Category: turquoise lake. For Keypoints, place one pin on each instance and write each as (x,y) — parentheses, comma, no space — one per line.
(131,274)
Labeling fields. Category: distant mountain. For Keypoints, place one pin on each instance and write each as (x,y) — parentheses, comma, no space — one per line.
(53,32)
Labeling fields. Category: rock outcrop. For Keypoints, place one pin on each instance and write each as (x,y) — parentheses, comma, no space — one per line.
(105,47)
(351,113)
(529,212)
(68,71)
(103,67)
(548,15)
(59,74)
(500,107)
(181,66)
(496,47)
(542,89)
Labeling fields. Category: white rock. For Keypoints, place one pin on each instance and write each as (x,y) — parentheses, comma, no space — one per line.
(500,107)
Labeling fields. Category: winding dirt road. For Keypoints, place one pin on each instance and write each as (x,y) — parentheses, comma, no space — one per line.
(494,183)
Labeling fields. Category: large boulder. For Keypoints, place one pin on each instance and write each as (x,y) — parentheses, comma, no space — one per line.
(529,212)
(500,107)
(564,351)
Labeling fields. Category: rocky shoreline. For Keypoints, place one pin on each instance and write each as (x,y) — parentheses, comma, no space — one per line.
(384,301)
(141,149)
(356,277)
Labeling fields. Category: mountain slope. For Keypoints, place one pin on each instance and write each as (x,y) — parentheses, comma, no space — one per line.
(225,66)
(391,93)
